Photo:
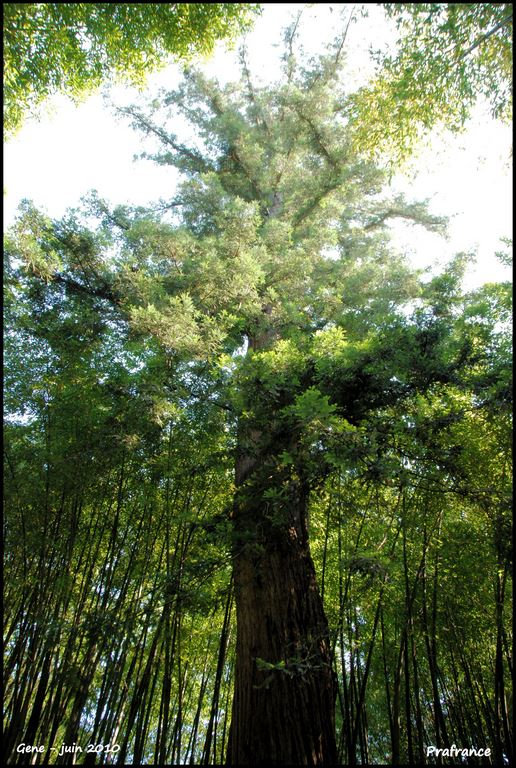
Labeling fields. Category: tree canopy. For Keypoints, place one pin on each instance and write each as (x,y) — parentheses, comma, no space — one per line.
(447,56)
(74,47)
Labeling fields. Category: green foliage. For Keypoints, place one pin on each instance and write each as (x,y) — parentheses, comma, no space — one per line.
(269,319)
(311,406)
(449,55)
(73,47)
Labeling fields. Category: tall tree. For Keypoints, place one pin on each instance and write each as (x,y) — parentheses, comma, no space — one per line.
(279,221)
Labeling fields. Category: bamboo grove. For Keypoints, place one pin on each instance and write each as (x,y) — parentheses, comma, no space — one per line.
(261,320)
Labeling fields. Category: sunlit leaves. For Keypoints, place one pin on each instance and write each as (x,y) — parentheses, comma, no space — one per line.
(449,55)
(73,47)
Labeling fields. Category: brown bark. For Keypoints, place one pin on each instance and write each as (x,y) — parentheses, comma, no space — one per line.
(284,695)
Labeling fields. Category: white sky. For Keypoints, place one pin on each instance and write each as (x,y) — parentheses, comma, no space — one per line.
(75,149)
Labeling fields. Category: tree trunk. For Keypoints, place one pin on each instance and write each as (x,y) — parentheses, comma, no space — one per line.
(284,695)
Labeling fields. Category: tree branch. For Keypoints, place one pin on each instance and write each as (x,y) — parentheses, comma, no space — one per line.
(341,46)
(196,161)
(317,136)
(233,151)
(307,210)
(252,95)
(483,38)
(99,293)
(290,41)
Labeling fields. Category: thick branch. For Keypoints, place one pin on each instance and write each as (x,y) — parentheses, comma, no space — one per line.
(98,292)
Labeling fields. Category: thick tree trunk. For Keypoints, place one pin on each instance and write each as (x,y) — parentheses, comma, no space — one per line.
(284,695)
